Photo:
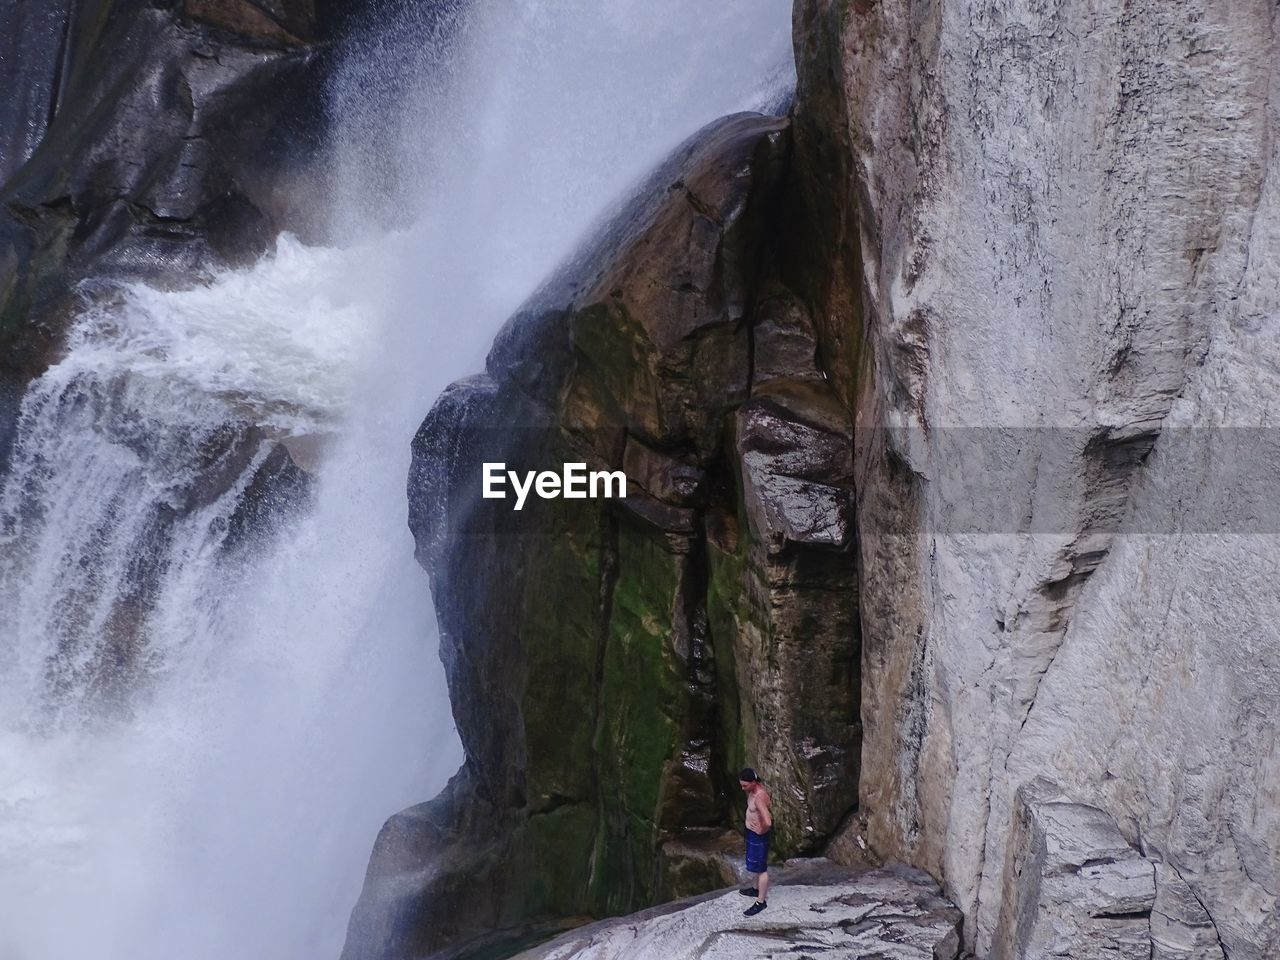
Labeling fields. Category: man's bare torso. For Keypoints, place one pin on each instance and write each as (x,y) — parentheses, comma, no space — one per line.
(757,811)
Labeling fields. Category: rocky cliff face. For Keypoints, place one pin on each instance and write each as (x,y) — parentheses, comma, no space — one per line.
(613,662)
(151,140)
(1062,218)
(1008,272)
(1027,250)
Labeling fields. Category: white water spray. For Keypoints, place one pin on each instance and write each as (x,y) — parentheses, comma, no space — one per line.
(201,730)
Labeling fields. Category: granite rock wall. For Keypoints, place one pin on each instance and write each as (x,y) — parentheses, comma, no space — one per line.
(1062,220)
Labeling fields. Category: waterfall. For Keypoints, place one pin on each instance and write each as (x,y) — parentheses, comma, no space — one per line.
(217,667)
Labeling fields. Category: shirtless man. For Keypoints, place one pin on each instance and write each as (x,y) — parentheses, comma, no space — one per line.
(759,823)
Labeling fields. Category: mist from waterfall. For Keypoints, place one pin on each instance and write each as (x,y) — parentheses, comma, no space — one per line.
(203,725)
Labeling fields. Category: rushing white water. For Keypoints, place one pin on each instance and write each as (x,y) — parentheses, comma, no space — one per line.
(201,730)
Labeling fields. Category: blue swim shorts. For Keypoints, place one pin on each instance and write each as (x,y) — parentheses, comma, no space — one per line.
(757,852)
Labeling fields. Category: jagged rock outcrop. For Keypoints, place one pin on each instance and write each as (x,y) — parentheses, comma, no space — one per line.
(612,662)
(1073,886)
(152,140)
(1042,258)
(888,914)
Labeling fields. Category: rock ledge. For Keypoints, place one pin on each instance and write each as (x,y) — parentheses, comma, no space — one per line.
(893,913)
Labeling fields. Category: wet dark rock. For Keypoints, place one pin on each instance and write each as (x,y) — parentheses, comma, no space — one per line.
(32,46)
(610,661)
(671,479)
(276,493)
(151,141)
(785,342)
(795,443)
(283,22)
(10,402)
(694,863)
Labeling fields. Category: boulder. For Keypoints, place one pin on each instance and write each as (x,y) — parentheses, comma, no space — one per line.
(1073,885)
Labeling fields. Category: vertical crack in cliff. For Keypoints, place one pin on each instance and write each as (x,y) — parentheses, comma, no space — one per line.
(608,582)
(1208,915)
(700,740)
(1113,461)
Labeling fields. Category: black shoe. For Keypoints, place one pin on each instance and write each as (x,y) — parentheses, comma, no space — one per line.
(749,892)
(755,908)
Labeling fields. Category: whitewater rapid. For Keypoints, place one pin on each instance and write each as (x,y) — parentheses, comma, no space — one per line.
(201,730)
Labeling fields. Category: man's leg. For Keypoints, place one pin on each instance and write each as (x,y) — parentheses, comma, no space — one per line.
(762,890)
(758,855)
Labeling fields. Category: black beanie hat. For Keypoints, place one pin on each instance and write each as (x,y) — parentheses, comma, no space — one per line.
(748,775)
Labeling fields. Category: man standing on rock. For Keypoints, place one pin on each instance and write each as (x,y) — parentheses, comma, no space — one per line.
(759,823)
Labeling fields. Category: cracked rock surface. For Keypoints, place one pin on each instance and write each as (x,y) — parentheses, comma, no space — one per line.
(1073,887)
(1058,329)
(888,914)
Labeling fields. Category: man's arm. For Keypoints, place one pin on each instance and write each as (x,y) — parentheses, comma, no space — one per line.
(766,817)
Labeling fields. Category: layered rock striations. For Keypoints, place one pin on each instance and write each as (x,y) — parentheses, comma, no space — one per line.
(1062,218)
(613,662)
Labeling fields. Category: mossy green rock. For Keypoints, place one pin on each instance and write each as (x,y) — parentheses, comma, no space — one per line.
(613,662)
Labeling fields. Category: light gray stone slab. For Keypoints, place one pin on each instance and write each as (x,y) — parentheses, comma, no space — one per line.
(886,914)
